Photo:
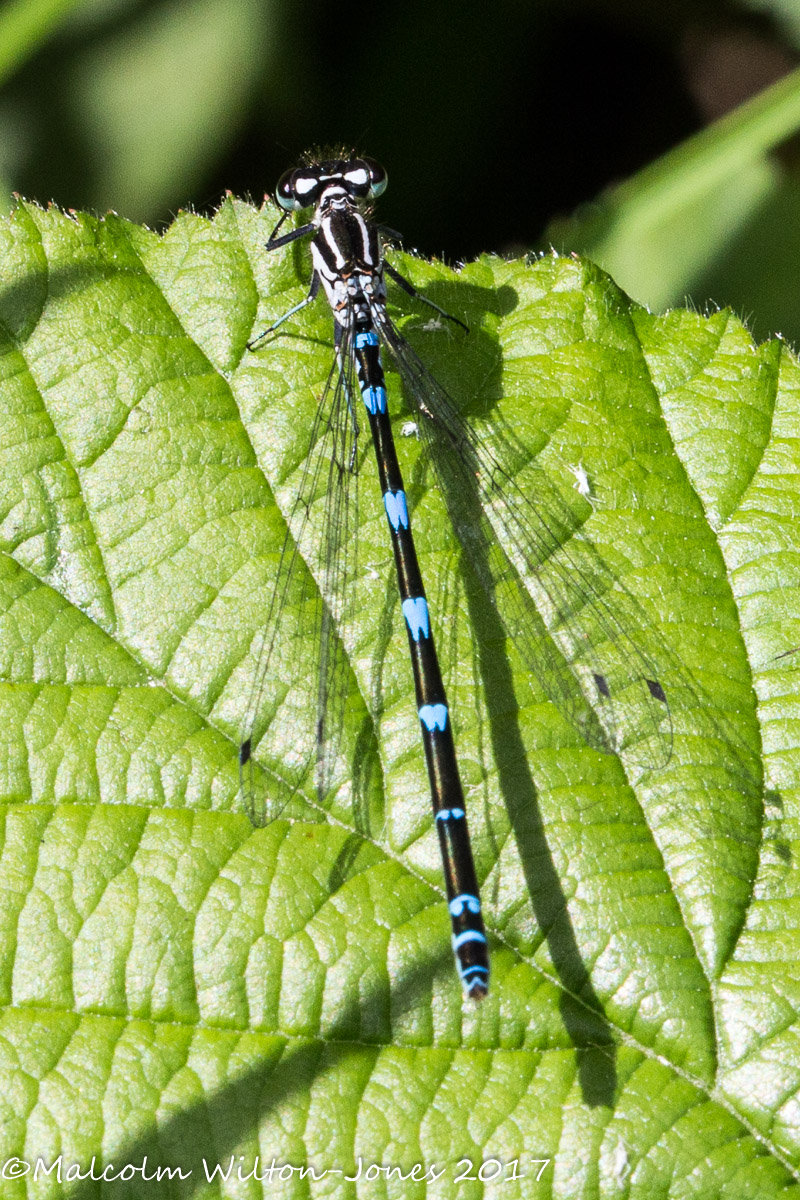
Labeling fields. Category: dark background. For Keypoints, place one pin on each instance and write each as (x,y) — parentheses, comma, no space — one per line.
(493,120)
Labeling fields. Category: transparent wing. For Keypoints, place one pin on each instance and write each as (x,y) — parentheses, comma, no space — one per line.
(292,732)
(554,602)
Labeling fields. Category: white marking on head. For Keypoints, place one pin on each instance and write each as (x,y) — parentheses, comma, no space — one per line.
(358,176)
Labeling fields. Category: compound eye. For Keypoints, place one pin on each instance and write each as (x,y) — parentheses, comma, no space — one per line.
(296,190)
(378,178)
(284,192)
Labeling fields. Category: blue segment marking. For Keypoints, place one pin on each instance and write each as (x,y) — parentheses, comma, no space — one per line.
(416,614)
(396,510)
(466,973)
(449,814)
(469,935)
(459,903)
(366,339)
(433,716)
(375,399)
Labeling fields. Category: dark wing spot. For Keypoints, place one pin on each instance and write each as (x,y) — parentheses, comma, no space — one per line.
(601,683)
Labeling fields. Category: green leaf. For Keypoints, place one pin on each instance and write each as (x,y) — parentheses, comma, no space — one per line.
(179,985)
(677,220)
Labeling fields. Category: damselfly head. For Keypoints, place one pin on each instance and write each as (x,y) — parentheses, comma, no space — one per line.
(360,178)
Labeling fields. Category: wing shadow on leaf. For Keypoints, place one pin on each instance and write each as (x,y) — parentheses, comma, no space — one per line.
(598,656)
(218,1125)
(581,1008)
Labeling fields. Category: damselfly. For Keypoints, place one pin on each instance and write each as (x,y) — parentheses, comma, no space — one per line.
(548,597)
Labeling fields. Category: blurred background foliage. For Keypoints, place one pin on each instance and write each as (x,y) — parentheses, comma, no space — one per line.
(661,139)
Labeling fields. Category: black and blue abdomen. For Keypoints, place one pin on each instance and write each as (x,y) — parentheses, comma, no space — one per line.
(447,797)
